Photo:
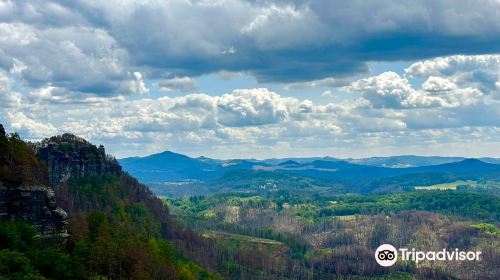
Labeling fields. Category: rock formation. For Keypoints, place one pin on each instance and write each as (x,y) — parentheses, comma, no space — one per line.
(35,205)
(68,156)
(23,195)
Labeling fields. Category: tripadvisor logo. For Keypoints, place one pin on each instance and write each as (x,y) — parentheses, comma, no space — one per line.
(387,255)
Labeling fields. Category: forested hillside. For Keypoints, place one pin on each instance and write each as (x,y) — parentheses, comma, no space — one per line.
(117,229)
(334,237)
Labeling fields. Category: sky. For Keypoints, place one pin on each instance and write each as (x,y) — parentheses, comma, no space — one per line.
(255,78)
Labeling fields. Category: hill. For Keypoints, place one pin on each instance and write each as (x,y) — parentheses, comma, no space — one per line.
(169,166)
(170,173)
(116,228)
(405,161)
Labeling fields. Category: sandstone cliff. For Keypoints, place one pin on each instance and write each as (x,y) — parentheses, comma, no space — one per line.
(24,194)
(35,205)
(68,156)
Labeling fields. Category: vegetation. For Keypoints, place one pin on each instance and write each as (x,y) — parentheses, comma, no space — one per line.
(249,225)
(334,236)
(18,163)
(106,247)
(119,239)
(117,228)
(462,204)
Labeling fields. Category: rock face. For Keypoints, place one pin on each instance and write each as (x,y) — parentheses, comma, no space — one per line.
(24,194)
(24,168)
(37,206)
(69,156)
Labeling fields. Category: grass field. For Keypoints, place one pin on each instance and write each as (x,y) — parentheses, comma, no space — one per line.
(446,186)
(346,218)
(241,238)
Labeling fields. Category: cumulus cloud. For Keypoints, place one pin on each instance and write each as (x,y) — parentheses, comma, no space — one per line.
(279,40)
(479,70)
(22,123)
(239,108)
(389,90)
(252,107)
(183,84)
(8,97)
(389,106)
(263,122)
(438,84)
(275,27)
(74,65)
(243,116)
(135,85)
(79,61)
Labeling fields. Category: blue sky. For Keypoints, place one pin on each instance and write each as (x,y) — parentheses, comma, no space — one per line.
(255,78)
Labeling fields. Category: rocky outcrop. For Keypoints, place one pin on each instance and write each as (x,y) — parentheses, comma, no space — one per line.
(25,167)
(24,194)
(35,205)
(68,156)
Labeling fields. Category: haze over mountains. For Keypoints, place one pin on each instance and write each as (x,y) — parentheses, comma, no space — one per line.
(168,171)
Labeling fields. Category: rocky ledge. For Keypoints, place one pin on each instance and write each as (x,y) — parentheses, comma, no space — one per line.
(69,156)
(35,205)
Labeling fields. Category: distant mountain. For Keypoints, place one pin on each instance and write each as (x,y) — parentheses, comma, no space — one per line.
(346,171)
(405,161)
(338,164)
(170,166)
(275,161)
(353,173)
(288,163)
(469,165)
(235,164)
(490,160)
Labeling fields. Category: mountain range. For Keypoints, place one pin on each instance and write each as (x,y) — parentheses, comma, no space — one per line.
(169,170)
(68,211)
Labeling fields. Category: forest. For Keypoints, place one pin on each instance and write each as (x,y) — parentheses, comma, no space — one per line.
(324,237)
(117,229)
(243,225)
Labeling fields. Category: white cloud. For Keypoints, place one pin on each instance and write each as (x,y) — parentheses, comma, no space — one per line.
(252,107)
(275,40)
(438,84)
(386,114)
(8,97)
(327,93)
(229,75)
(326,82)
(135,85)
(277,26)
(80,61)
(183,84)
(389,90)
(479,70)
(28,126)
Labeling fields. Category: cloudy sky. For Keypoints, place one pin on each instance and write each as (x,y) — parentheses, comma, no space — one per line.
(255,78)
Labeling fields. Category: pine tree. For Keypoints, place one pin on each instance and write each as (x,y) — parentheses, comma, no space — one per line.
(3,140)
(4,143)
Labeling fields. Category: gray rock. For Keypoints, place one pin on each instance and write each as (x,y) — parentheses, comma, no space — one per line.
(69,156)
(37,206)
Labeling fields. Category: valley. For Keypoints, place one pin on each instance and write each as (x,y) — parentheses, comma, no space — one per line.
(332,236)
(322,218)
(201,218)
